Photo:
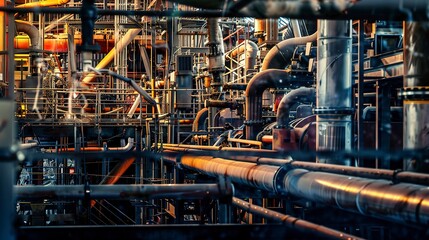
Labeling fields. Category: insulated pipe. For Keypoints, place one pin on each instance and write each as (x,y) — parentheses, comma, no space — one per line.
(289,100)
(279,56)
(292,222)
(30,30)
(39,4)
(124,192)
(334,88)
(251,50)
(416,92)
(271,78)
(403,203)
(120,45)
(216,65)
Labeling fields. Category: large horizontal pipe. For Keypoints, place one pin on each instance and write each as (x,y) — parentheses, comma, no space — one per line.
(364,9)
(395,176)
(125,192)
(292,222)
(402,202)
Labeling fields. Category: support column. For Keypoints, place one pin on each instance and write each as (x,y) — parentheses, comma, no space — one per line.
(416,92)
(7,170)
(334,88)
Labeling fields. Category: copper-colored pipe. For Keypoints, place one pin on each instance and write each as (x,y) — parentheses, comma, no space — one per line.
(116,174)
(402,202)
(268,139)
(118,171)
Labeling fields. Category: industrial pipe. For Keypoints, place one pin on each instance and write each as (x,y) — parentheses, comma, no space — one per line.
(30,30)
(279,56)
(55,23)
(120,45)
(47,3)
(271,78)
(251,50)
(117,171)
(402,202)
(334,88)
(200,119)
(289,100)
(292,222)
(416,92)
(124,192)
(216,65)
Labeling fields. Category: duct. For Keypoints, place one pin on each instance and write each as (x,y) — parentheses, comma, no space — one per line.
(251,50)
(334,88)
(292,222)
(403,203)
(289,100)
(416,92)
(30,30)
(123,192)
(120,45)
(279,56)
(271,78)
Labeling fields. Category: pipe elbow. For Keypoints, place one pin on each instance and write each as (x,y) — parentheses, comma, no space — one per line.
(30,30)
(280,55)
(289,100)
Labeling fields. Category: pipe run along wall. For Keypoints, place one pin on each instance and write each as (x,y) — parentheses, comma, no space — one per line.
(403,203)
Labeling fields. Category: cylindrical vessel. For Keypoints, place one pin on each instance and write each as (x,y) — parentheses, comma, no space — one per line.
(416,92)
(334,88)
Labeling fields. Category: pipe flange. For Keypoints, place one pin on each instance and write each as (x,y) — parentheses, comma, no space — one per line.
(395,179)
(253,122)
(333,111)
(414,93)
(279,177)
